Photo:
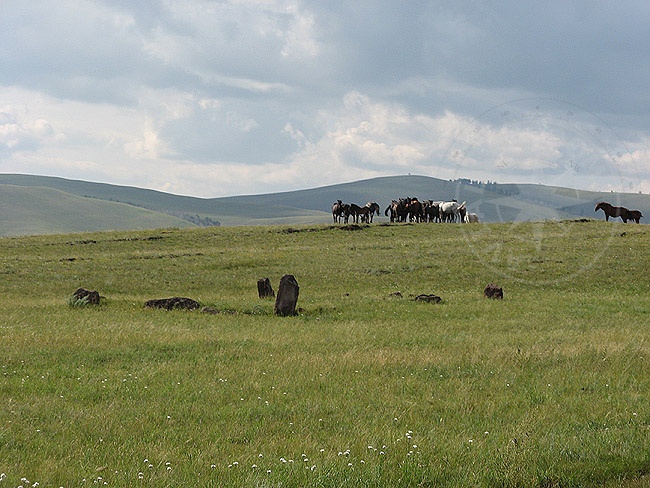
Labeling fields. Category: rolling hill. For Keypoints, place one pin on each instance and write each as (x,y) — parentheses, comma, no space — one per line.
(40,204)
(42,210)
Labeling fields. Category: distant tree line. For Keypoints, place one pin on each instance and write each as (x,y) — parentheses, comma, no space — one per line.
(492,186)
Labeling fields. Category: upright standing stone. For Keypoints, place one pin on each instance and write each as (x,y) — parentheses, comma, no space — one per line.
(285,302)
(264,288)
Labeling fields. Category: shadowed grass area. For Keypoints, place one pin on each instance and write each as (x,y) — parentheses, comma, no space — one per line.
(548,387)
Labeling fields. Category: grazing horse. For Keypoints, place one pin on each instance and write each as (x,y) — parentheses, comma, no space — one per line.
(635,215)
(392,208)
(432,211)
(355,211)
(612,211)
(368,211)
(346,212)
(415,210)
(337,211)
(471,218)
(451,210)
(402,209)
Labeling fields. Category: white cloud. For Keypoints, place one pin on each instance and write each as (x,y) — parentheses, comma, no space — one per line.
(636,161)
(242,96)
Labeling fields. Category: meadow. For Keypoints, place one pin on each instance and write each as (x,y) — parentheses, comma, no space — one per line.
(549,387)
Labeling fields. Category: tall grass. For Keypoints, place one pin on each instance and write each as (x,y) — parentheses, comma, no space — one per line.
(548,387)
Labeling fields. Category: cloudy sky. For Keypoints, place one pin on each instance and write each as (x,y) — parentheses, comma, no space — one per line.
(216,98)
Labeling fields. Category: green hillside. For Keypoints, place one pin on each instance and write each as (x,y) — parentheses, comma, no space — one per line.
(39,210)
(492,202)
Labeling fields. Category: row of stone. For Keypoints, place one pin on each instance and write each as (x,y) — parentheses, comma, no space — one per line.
(285,302)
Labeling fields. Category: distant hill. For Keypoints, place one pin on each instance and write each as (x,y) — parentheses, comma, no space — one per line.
(31,206)
(41,210)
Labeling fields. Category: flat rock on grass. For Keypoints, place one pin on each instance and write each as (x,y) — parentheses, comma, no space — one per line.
(493,291)
(173,303)
(428,298)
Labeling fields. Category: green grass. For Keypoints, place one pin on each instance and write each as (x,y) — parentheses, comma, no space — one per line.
(548,387)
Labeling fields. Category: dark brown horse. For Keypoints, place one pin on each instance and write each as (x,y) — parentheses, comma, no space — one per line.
(612,211)
(416,213)
(368,211)
(355,211)
(337,210)
(635,215)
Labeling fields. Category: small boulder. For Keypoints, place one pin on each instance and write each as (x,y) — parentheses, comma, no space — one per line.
(173,303)
(91,296)
(209,310)
(285,301)
(428,298)
(264,289)
(493,291)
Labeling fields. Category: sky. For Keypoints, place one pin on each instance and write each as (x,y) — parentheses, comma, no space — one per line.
(218,98)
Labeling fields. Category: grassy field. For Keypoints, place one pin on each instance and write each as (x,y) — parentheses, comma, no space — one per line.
(549,387)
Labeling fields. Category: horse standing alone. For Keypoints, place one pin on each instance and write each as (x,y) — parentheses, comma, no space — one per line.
(612,211)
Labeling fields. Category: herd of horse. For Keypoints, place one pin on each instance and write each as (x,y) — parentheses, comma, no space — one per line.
(405,210)
(413,210)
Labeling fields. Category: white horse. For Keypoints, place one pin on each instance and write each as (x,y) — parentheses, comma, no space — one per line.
(450,210)
(471,218)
